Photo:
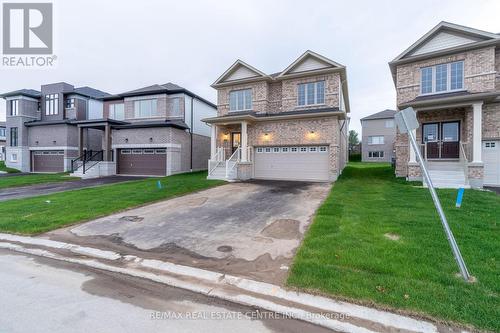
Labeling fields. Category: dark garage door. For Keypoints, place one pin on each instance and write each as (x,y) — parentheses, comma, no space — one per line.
(48,161)
(142,162)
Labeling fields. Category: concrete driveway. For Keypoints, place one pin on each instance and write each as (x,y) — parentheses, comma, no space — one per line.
(252,229)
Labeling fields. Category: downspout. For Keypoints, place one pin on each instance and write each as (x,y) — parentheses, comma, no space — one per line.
(191,132)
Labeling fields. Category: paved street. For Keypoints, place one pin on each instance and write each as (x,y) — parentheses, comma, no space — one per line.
(41,295)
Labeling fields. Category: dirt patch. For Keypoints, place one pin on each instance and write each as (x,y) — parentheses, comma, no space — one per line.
(393,237)
(283,229)
(131,219)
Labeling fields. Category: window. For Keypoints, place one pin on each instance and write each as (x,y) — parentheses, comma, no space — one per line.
(294,149)
(303,149)
(323,149)
(389,123)
(313,149)
(260,150)
(490,144)
(13,136)
(117,111)
(442,78)
(284,150)
(14,107)
(145,108)
(2,132)
(51,104)
(149,151)
(70,103)
(160,151)
(375,154)
(176,107)
(311,93)
(276,150)
(375,140)
(267,150)
(13,157)
(240,100)
(125,151)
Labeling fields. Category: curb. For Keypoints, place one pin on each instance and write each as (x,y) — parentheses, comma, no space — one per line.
(297,305)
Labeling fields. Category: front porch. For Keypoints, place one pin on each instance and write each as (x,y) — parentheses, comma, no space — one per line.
(231,157)
(450,142)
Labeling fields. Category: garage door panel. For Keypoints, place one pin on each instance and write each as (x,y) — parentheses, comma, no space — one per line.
(48,161)
(491,160)
(142,162)
(310,164)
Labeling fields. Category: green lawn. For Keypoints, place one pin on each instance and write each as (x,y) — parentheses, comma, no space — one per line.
(7,169)
(34,179)
(48,212)
(346,253)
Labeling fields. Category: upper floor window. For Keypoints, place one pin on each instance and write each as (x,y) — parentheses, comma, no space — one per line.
(376,140)
(2,132)
(117,111)
(240,100)
(442,78)
(176,107)
(311,93)
(70,103)
(145,108)
(14,107)
(51,104)
(389,123)
(13,136)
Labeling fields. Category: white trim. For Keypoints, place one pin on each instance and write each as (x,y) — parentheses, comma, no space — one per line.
(54,148)
(233,67)
(480,74)
(145,145)
(310,53)
(448,78)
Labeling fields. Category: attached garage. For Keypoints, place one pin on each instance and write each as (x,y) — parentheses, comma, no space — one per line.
(491,159)
(48,161)
(302,163)
(150,162)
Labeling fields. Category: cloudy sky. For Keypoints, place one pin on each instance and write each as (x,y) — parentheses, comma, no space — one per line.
(121,45)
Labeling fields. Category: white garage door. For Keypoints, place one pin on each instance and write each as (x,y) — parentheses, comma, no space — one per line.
(491,159)
(292,163)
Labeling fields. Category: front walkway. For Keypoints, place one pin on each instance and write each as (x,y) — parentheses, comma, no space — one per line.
(248,229)
(41,189)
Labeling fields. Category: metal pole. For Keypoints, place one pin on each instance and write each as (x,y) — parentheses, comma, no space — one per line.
(437,203)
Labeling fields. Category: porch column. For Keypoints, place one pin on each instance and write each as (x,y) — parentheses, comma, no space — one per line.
(477,120)
(213,140)
(413,156)
(244,141)
(107,135)
(80,141)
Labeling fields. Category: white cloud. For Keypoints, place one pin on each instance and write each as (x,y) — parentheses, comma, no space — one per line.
(122,45)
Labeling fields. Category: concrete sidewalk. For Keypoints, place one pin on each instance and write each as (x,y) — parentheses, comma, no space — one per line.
(41,189)
(322,311)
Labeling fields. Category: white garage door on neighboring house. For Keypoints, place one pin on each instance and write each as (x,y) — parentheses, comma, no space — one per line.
(292,163)
(491,159)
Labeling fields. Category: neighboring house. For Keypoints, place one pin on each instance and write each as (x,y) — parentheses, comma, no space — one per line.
(451,78)
(290,125)
(378,136)
(150,131)
(2,140)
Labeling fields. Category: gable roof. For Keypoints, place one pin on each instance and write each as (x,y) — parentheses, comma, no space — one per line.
(316,62)
(462,35)
(246,72)
(386,114)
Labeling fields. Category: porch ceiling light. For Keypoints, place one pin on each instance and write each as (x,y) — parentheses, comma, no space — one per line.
(225,136)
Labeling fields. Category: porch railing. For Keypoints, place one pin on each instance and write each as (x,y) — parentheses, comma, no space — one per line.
(464,158)
(216,159)
(233,161)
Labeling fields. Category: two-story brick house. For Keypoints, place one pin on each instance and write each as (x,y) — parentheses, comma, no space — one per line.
(155,130)
(290,125)
(450,77)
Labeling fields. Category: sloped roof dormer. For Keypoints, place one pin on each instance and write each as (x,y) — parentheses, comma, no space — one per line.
(240,71)
(308,62)
(446,36)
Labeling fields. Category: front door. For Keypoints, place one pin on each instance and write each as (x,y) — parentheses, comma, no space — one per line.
(235,141)
(442,139)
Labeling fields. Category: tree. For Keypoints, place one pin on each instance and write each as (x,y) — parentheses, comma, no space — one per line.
(353,138)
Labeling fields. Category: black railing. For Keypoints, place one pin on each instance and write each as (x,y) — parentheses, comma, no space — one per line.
(87,160)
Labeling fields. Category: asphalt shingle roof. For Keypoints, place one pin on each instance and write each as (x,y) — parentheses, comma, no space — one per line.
(381,115)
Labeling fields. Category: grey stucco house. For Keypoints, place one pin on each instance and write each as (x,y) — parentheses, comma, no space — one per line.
(378,136)
(156,130)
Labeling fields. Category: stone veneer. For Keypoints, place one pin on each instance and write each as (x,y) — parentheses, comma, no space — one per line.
(479,72)
(281,96)
(289,133)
